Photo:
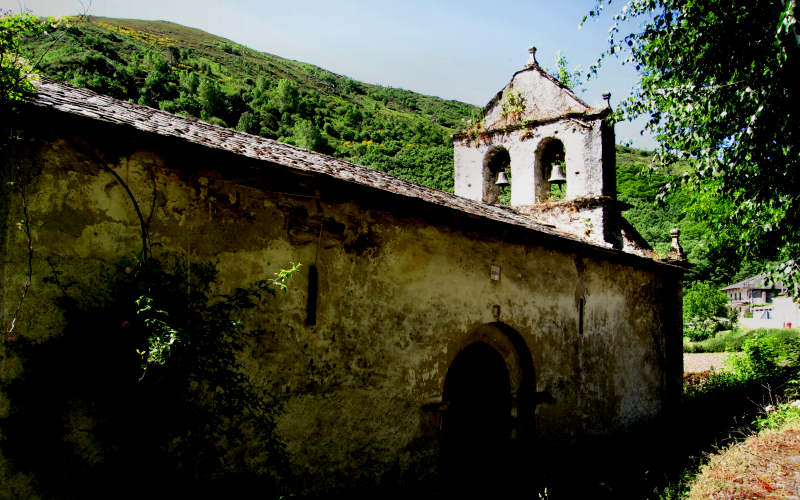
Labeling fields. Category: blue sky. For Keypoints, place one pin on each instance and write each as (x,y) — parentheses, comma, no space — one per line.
(465,50)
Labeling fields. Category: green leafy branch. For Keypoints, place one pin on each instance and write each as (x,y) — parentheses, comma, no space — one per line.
(168,332)
(282,276)
(17,72)
(162,336)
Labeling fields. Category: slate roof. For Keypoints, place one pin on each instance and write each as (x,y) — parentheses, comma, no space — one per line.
(754,282)
(86,103)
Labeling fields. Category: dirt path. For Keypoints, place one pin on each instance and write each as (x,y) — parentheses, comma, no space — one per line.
(700,362)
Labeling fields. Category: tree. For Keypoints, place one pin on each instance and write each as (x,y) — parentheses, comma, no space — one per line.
(307,136)
(703,304)
(152,360)
(15,70)
(211,98)
(286,96)
(248,123)
(718,87)
(571,78)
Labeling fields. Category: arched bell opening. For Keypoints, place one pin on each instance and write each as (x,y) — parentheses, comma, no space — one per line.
(551,181)
(497,176)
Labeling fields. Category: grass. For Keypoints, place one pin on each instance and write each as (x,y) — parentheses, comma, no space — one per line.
(732,340)
(757,457)
(762,466)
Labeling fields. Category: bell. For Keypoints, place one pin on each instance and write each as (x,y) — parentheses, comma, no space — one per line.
(557,176)
(502,180)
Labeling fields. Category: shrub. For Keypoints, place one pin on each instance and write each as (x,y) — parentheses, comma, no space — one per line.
(766,356)
(307,136)
(780,416)
(217,121)
(144,387)
(732,340)
(168,106)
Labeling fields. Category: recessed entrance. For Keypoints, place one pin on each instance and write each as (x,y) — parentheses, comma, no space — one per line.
(476,426)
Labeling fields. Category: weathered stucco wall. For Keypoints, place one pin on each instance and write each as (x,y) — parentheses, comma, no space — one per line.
(545,99)
(543,110)
(404,286)
(583,148)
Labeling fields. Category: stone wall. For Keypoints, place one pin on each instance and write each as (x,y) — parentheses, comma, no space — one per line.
(404,286)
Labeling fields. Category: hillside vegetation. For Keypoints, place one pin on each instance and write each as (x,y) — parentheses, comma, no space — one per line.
(192,73)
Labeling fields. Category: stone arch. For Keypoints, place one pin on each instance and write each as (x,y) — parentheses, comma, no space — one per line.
(495,357)
(495,160)
(549,151)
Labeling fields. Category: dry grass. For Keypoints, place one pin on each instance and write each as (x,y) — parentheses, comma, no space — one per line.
(766,465)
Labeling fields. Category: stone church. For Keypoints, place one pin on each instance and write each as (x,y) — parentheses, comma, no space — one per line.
(520,309)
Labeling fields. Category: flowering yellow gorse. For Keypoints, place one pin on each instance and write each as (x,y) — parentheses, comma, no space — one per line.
(142,36)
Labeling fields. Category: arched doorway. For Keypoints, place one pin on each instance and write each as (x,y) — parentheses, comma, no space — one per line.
(476,426)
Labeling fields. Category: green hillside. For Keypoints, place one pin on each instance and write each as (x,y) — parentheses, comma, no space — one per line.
(189,72)
(192,73)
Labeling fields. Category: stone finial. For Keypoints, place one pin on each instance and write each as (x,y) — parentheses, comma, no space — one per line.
(532,57)
(675,251)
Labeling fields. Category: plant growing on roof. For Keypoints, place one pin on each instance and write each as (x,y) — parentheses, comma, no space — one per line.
(512,105)
(476,127)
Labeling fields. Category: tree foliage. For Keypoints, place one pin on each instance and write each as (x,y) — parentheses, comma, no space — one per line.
(571,78)
(703,304)
(718,88)
(16,70)
(248,123)
(144,387)
(195,74)
(308,136)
